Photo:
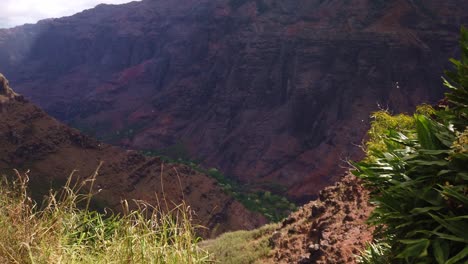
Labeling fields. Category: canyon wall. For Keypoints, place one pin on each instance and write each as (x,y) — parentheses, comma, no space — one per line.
(271,92)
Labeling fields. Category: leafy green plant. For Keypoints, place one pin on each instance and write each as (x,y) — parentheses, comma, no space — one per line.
(456,110)
(419,180)
(383,122)
(376,252)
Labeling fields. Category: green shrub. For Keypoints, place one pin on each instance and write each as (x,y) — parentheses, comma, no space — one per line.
(419,181)
(383,122)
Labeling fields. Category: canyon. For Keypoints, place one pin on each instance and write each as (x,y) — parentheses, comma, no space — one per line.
(275,94)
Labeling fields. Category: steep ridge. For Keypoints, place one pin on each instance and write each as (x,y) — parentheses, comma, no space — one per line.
(268,91)
(31,140)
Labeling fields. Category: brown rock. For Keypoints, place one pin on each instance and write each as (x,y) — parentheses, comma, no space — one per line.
(6,93)
(328,237)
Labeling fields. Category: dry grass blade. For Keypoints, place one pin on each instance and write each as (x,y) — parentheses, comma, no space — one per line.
(61,232)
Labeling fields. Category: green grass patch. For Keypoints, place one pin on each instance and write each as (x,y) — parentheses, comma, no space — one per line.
(241,247)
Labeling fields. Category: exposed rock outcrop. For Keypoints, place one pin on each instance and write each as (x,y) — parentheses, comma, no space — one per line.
(6,93)
(32,140)
(329,230)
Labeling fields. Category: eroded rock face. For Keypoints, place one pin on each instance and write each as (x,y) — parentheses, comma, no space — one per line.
(331,229)
(269,91)
(32,140)
(6,92)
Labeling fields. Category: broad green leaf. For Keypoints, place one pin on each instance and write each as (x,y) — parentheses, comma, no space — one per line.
(450,192)
(414,248)
(434,152)
(462,176)
(425,132)
(460,256)
(449,237)
(458,229)
(425,209)
(441,250)
(443,172)
(457,218)
(441,163)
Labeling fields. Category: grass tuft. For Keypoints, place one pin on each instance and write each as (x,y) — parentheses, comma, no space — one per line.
(61,231)
(241,247)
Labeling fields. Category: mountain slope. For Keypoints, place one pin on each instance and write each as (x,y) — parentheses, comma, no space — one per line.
(268,91)
(31,140)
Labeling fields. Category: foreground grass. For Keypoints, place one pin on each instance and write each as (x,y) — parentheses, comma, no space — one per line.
(60,232)
(241,247)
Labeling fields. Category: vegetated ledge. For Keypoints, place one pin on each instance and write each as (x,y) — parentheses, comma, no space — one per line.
(32,140)
(271,205)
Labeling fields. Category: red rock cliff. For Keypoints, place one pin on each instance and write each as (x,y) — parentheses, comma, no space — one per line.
(269,91)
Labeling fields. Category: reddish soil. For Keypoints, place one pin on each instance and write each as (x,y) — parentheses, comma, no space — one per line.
(329,230)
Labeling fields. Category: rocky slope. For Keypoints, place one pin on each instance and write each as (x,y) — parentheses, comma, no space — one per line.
(269,91)
(32,140)
(331,229)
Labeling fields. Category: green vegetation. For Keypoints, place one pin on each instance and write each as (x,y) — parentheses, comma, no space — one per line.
(376,252)
(272,206)
(61,232)
(241,247)
(383,122)
(417,170)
